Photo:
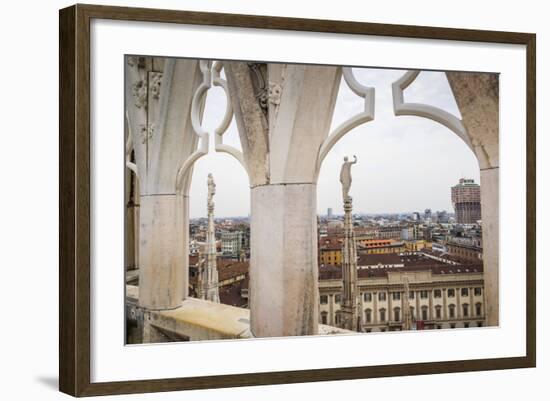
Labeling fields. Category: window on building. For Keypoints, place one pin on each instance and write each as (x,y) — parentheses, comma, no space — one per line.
(323,299)
(411,309)
(437,293)
(381,296)
(324,317)
(451,292)
(338,318)
(424,313)
(368,315)
(396,296)
(438,312)
(464,292)
(466,325)
(452,325)
(396,314)
(478,309)
(382,315)
(424,294)
(479,324)
(477,291)
(411,295)
(451,311)
(337,298)
(465,309)
(438,327)
(367,296)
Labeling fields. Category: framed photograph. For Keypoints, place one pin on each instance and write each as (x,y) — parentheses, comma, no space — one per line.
(249,200)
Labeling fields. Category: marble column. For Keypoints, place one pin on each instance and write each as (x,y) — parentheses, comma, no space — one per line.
(283,113)
(477,97)
(159,94)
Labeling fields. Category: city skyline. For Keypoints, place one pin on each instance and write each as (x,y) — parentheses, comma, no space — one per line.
(426,158)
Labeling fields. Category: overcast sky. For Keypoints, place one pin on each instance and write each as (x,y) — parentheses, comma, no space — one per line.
(404,163)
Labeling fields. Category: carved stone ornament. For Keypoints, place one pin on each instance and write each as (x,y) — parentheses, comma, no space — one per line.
(156,80)
(146,134)
(136,61)
(139,91)
(275,91)
(262,89)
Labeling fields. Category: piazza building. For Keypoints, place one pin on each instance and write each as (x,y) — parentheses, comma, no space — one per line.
(441,294)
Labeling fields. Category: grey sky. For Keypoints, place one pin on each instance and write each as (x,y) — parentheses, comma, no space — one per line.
(405,163)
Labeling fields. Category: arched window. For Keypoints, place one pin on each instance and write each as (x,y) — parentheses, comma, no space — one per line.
(424,312)
(438,312)
(397,314)
(451,311)
(338,318)
(465,309)
(382,315)
(368,315)
(478,309)
(324,317)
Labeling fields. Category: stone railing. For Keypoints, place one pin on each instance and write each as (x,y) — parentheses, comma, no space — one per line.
(194,320)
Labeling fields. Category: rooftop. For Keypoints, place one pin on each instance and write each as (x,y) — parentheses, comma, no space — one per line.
(397,263)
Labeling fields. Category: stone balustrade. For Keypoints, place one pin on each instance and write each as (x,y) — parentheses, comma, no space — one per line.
(196,319)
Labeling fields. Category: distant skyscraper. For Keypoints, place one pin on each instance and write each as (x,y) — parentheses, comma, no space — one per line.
(466,198)
(329,213)
(427,214)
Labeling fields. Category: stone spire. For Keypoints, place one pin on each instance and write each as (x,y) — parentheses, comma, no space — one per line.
(208,276)
(407,318)
(350,319)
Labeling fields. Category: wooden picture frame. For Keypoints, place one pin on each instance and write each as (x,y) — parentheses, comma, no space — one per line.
(74,199)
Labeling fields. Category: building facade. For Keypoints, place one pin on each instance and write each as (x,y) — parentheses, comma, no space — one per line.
(232,243)
(441,296)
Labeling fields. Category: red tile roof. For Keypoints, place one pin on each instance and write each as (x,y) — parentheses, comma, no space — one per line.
(413,262)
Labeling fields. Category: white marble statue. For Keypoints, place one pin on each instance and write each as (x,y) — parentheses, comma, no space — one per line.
(345,176)
(211,189)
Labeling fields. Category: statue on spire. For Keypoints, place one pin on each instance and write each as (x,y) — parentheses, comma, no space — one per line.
(351,320)
(208,271)
(211,189)
(345,176)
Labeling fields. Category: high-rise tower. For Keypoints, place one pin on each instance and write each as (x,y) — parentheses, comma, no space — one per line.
(466,198)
